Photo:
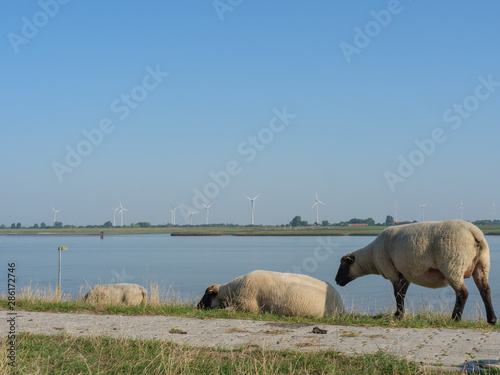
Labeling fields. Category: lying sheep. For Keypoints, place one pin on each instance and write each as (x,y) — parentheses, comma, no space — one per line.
(277,293)
(128,294)
(430,254)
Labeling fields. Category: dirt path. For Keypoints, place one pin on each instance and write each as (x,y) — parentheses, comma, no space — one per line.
(465,349)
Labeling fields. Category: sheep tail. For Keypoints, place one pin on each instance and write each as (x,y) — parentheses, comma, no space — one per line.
(481,243)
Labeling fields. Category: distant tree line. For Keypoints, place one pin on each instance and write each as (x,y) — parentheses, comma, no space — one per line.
(296,222)
(486,222)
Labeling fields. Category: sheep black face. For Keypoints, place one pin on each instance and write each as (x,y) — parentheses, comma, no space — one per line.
(209,299)
(344,274)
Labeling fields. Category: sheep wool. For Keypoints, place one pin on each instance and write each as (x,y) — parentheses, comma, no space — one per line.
(128,294)
(277,293)
(430,254)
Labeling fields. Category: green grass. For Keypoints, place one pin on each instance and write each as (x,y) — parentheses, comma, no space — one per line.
(223,231)
(63,354)
(204,231)
(490,229)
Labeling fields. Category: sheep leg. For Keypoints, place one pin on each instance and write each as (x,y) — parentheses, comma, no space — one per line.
(400,288)
(484,289)
(461,294)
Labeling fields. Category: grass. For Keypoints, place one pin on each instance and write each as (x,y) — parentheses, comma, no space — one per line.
(203,231)
(223,231)
(63,354)
(162,301)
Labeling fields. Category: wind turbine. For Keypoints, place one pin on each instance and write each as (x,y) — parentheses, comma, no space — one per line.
(172,214)
(191,215)
(55,212)
(493,209)
(121,212)
(397,208)
(423,206)
(252,204)
(317,206)
(114,215)
(461,208)
(206,208)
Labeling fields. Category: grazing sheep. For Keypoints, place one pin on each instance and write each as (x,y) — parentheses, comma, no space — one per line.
(430,254)
(277,293)
(128,294)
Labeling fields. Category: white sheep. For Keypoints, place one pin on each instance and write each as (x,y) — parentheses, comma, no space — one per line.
(430,254)
(277,293)
(128,294)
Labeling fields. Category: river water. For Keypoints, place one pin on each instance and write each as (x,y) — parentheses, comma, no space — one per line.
(187,265)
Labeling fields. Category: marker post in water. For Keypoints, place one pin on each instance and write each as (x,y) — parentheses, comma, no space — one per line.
(59,281)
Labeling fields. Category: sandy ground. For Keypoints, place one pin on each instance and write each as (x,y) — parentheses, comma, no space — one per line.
(465,350)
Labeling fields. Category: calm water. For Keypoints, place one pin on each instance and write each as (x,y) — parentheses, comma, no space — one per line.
(189,264)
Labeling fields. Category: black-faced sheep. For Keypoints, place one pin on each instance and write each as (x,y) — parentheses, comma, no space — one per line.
(430,254)
(128,294)
(277,293)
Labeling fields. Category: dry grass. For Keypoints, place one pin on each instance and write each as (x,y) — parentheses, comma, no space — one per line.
(161,294)
(36,293)
(4,361)
(164,301)
(237,330)
(276,331)
(349,334)
(63,354)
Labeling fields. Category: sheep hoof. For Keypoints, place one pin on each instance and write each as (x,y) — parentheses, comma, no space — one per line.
(399,315)
(456,317)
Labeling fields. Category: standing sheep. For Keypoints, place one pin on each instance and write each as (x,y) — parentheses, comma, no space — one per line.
(128,294)
(277,293)
(430,254)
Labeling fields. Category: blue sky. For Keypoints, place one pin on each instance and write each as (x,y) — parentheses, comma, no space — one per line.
(176,92)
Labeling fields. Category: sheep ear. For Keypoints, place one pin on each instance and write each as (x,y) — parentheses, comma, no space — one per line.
(349,258)
(214,289)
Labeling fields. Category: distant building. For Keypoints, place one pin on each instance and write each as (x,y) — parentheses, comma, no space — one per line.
(401,222)
(359,225)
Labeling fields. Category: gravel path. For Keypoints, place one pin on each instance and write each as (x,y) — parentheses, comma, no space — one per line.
(461,349)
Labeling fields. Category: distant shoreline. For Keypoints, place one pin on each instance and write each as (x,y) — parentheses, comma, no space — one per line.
(220,231)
